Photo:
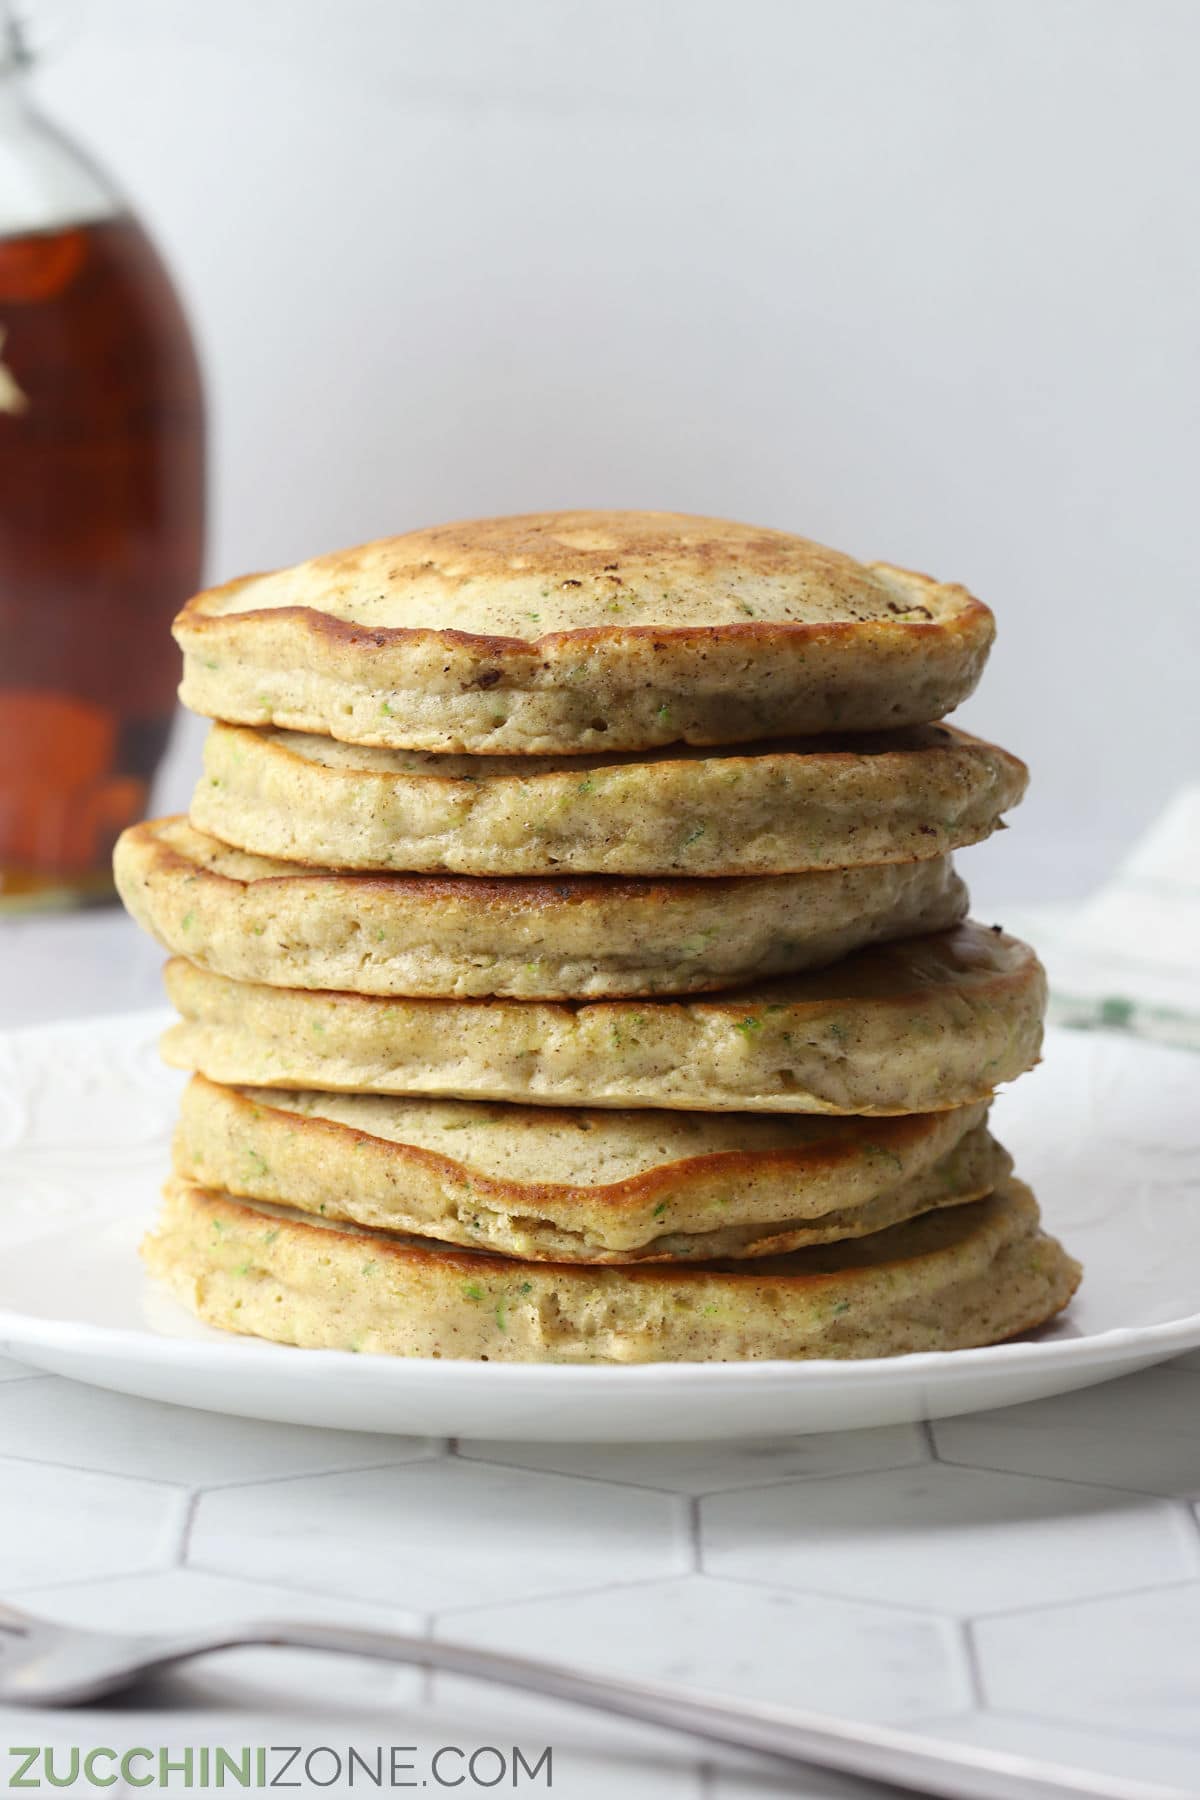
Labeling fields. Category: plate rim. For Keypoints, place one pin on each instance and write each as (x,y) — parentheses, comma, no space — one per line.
(1169,1337)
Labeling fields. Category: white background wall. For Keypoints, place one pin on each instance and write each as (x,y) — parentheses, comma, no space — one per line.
(915,277)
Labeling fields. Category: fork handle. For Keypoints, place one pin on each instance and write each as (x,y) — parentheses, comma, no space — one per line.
(909,1761)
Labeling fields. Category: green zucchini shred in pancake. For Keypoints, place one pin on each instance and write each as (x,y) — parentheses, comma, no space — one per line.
(968,1275)
(557,1184)
(257,919)
(584,631)
(916,1026)
(759,809)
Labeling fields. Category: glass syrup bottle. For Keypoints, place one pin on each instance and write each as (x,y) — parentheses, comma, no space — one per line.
(101,505)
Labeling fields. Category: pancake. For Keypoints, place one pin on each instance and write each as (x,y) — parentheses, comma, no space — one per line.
(563,1185)
(918,1026)
(581,631)
(973,1274)
(260,920)
(770,809)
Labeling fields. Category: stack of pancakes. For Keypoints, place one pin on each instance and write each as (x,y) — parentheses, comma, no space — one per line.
(570,961)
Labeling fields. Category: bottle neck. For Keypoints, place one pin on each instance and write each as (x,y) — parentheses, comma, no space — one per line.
(46,182)
(15,59)
(14,49)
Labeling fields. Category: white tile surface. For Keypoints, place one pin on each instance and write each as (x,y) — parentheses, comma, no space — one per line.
(711,1468)
(1142,1433)
(13,1371)
(953,1540)
(839,1655)
(768,1784)
(1128,1663)
(50,1420)
(295,1681)
(440,1534)
(1098,1745)
(64,1526)
(718,1636)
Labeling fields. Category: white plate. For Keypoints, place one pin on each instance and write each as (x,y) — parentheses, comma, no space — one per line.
(1107,1131)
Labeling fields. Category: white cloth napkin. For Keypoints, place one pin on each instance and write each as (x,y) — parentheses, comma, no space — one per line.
(1129,958)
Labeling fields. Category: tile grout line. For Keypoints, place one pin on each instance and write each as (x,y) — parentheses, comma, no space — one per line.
(703,1493)
(32,1590)
(613,1585)
(426,1675)
(333,1597)
(496,1462)
(180,1483)
(1068,1722)
(693,1525)
(1191,1507)
(943,1725)
(1089,1599)
(912,1611)
(168,1482)
(1101,1487)
(323,1474)
(917,1611)
(974,1665)
(191,1501)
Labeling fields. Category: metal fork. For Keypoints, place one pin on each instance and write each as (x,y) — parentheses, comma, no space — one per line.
(47,1664)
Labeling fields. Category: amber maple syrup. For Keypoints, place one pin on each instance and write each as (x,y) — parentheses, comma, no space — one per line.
(101,520)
